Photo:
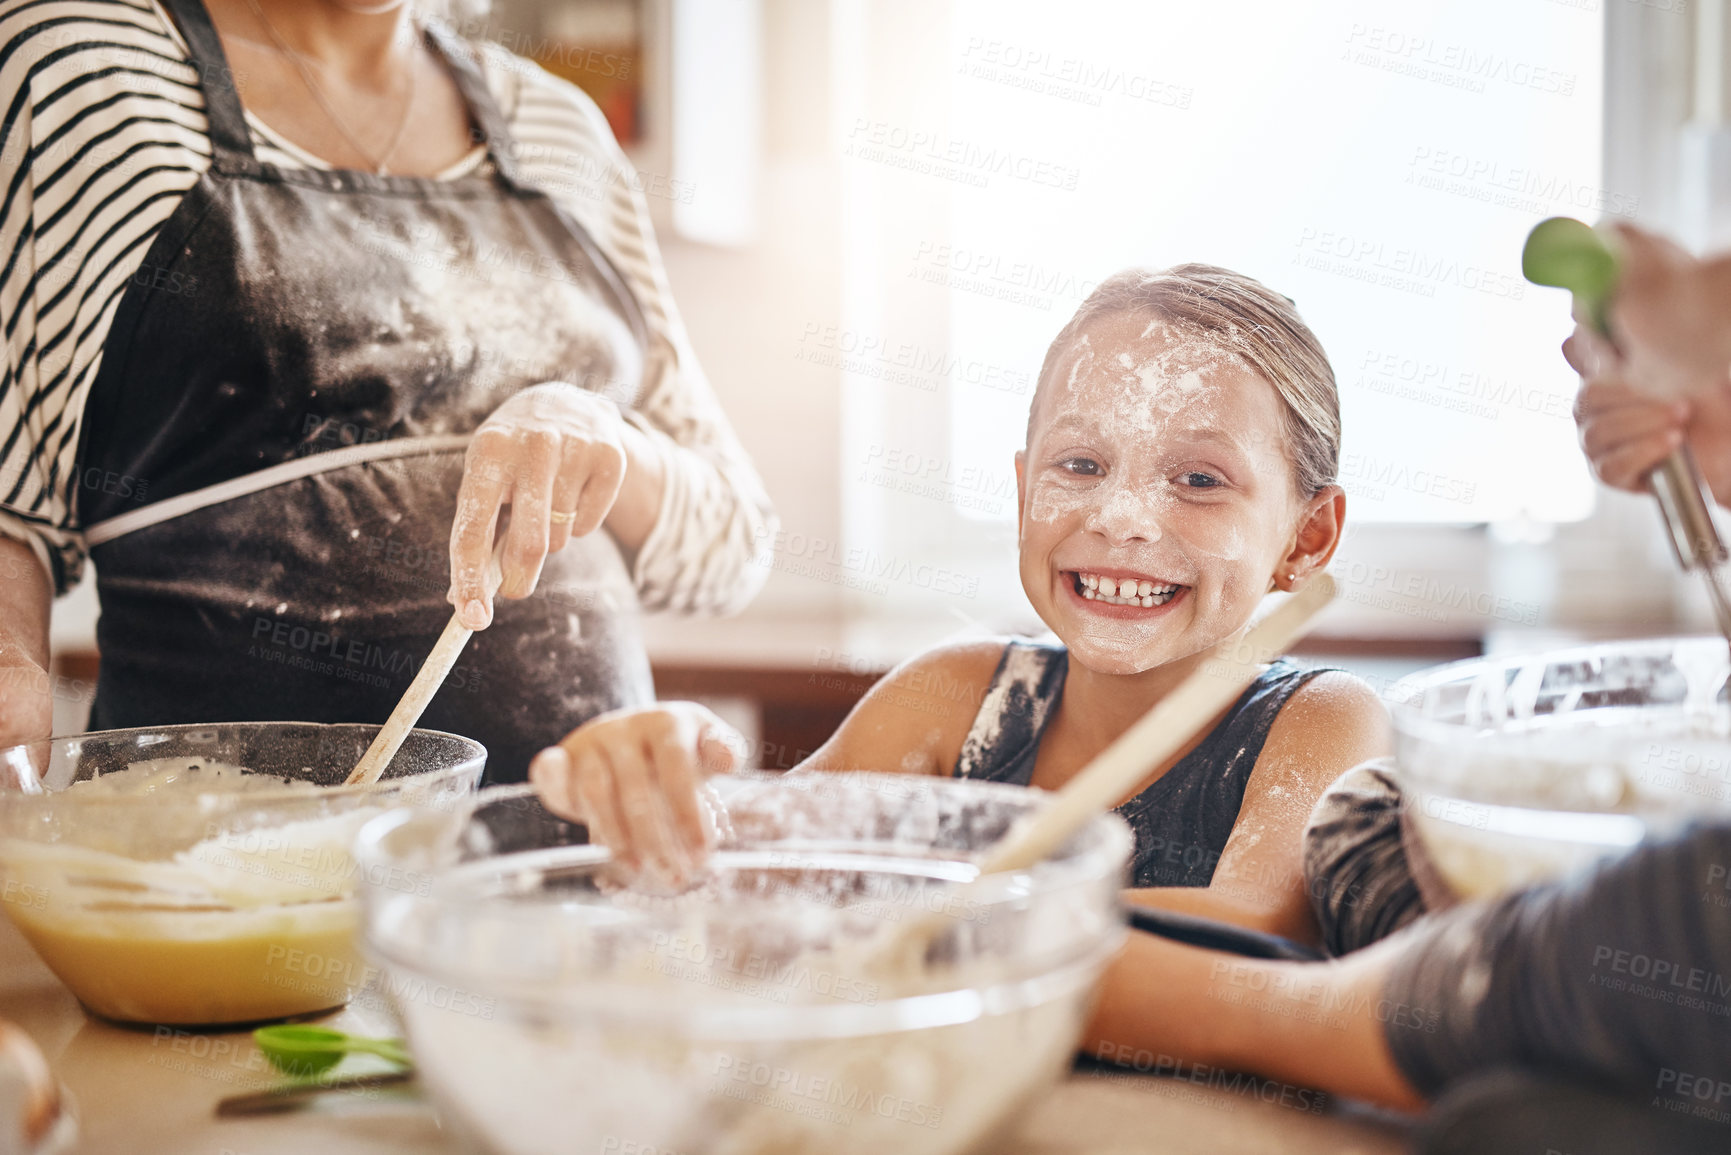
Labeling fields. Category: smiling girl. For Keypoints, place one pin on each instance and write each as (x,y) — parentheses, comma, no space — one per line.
(1180,462)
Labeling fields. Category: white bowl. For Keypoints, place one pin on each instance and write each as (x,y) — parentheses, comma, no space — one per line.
(1524,768)
(549,1012)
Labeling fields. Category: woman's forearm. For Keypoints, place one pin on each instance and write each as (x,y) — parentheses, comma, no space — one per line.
(634,513)
(1312,1024)
(26,698)
(709,557)
(25,598)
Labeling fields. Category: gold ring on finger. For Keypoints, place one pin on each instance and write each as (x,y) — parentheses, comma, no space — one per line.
(558,518)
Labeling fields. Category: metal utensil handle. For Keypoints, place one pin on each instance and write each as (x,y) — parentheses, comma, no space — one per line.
(1683,499)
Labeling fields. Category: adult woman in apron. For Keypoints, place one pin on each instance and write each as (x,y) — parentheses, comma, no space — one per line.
(371,366)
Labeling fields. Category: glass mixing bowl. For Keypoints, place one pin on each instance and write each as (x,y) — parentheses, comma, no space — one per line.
(161,896)
(775,1007)
(1520,769)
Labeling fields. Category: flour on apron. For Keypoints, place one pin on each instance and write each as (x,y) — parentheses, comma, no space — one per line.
(340,309)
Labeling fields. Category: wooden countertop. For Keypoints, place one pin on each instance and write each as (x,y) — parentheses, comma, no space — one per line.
(153,1092)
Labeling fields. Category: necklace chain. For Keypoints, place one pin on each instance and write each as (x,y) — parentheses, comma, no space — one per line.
(377,162)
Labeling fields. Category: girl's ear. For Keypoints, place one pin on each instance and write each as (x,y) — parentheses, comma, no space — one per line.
(1320,526)
(1021,490)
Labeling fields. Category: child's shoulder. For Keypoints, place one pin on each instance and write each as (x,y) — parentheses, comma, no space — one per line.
(1334,715)
(952,672)
(1331,698)
(917,716)
(1334,689)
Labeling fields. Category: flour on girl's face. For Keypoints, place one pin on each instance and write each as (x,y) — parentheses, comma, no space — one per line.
(1157,450)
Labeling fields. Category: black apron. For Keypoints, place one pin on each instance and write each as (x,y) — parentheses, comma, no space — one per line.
(292,387)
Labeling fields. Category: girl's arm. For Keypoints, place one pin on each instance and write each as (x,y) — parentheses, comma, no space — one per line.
(1333,723)
(634,777)
(1317,1025)
(1617,975)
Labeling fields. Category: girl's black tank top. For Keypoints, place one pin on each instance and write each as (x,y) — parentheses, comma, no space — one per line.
(1183,820)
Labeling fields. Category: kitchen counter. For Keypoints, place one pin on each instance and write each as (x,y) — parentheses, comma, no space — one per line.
(152,1092)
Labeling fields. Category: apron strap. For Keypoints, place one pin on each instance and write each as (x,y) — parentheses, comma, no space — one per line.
(484,111)
(293,470)
(229,134)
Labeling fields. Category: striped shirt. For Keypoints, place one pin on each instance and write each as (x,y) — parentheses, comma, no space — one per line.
(104,131)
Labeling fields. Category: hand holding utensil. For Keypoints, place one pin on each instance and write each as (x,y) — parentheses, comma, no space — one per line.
(1566,254)
(428,679)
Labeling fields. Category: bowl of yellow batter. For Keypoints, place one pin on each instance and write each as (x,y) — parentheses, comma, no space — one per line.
(200,875)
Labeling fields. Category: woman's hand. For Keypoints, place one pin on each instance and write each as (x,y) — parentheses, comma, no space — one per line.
(554,453)
(633,778)
(1671,316)
(1626,433)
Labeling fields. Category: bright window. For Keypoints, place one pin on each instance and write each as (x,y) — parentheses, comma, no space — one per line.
(1380,164)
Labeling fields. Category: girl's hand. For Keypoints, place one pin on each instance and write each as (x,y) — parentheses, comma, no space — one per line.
(556,455)
(633,777)
(1626,433)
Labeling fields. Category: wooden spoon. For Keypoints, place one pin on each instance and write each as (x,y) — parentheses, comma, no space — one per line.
(428,679)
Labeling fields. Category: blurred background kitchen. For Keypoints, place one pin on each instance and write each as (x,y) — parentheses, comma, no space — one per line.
(875,214)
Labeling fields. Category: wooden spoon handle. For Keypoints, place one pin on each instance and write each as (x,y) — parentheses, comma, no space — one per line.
(413,703)
(427,681)
(1161,732)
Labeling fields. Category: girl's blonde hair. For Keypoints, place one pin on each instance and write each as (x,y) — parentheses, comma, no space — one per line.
(1245,317)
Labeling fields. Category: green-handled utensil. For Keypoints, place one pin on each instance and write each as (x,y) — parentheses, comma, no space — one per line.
(304,1051)
(1566,254)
